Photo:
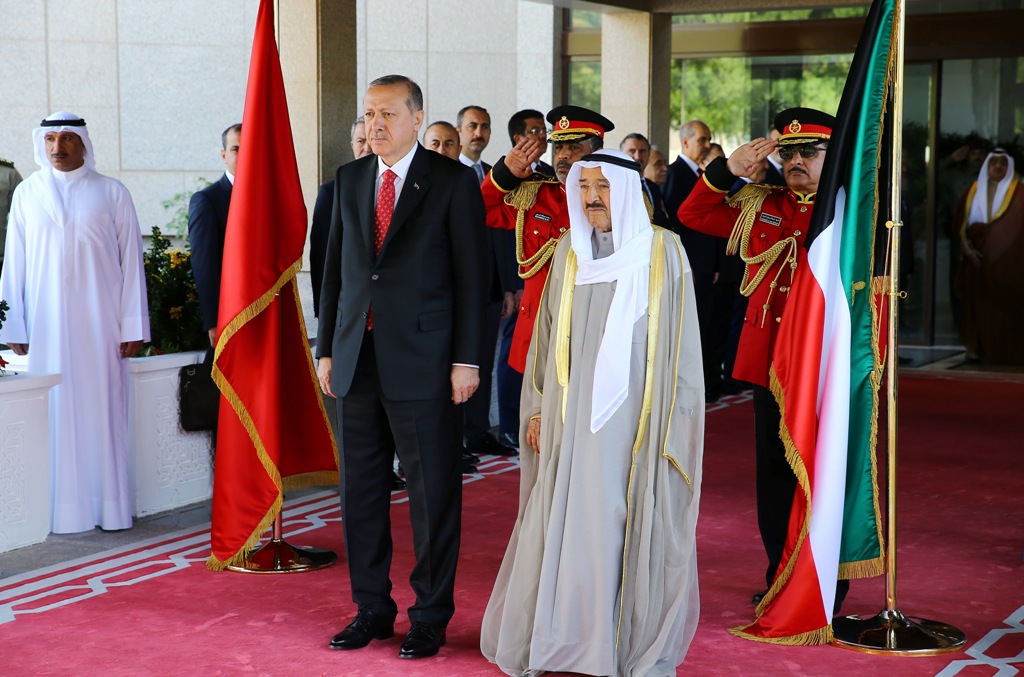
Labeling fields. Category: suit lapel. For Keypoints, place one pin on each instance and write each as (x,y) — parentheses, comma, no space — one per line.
(413,191)
(367,202)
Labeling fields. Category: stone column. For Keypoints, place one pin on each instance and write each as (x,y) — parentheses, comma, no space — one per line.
(635,68)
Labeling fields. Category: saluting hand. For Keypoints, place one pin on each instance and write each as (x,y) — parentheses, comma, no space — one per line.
(521,158)
(746,159)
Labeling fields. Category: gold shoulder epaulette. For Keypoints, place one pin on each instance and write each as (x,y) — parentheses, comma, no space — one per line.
(752,191)
(6,162)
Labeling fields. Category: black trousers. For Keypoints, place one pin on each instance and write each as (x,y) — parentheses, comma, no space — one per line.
(776,483)
(426,437)
(478,407)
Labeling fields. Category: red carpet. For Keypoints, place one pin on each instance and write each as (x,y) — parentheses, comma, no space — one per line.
(155,610)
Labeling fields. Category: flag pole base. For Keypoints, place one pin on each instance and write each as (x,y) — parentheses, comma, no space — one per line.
(892,633)
(278,557)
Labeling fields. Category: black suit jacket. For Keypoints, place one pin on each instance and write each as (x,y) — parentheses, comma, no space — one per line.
(658,203)
(319,232)
(503,273)
(700,248)
(207,222)
(545,168)
(774,176)
(426,285)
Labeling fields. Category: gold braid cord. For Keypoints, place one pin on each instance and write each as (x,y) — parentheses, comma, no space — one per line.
(522,199)
(750,199)
(565,327)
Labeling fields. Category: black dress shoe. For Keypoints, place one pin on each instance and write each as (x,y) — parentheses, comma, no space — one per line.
(422,641)
(397,483)
(759,596)
(468,455)
(366,626)
(488,445)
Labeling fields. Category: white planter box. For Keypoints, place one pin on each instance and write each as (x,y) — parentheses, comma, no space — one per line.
(24,457)
(172,467)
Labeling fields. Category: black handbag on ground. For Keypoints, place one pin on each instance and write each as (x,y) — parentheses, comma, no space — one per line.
(198,396)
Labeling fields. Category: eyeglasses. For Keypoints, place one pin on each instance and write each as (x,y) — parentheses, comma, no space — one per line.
(535,131)
(807,152)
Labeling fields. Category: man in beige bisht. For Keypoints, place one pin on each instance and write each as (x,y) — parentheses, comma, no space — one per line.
(600,575)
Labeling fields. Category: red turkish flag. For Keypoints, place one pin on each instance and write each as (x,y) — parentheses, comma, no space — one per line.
(273,432)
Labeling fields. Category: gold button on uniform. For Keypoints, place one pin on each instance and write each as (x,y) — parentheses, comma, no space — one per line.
(803,209)
(796,233)
(536,232)
(778,319)
(561,230)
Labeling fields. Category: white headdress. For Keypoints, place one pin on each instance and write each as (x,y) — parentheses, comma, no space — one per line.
(629,266)
(59,122)
(62,122)
(981,210)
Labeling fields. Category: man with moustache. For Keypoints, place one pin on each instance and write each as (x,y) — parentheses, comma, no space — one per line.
(763,216)
(637,146)
(74,279)
(600,575)
(474,133)
(657,168)
(474,127)
(533,205)
(703,250)
(442,137)
(399,350)
(207,223)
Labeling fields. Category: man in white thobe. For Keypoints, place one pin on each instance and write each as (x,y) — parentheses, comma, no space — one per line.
(600,575)
(73,277)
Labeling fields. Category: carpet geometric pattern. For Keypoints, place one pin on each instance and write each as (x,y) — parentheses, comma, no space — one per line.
(154,609)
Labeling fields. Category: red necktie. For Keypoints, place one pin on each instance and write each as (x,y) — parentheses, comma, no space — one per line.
(382,220)
(385,209)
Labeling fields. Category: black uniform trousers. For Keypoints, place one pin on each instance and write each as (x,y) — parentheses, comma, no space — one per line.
(426,437)
(776,486)
(776,483)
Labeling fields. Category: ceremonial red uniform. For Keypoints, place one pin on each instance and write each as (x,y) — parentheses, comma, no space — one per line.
(782,219)
(535,208)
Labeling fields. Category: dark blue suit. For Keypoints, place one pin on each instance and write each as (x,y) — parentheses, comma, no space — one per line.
(502,275)
(319,232)
(207,223)
(705,253)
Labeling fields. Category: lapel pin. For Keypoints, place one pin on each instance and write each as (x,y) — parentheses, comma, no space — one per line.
(416,186)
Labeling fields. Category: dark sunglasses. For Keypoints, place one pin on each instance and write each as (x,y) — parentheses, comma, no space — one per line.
(807,152)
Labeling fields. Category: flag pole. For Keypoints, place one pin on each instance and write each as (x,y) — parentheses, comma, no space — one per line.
(890,631)
(278,556)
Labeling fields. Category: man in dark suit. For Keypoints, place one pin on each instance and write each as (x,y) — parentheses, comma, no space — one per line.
(529,124)
(322,210)
(207,222)
(474,130)
(703,251)
(399,349)
(637,146)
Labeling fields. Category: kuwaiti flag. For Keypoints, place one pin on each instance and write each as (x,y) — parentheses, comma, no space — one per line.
(826,365)
(273,433)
